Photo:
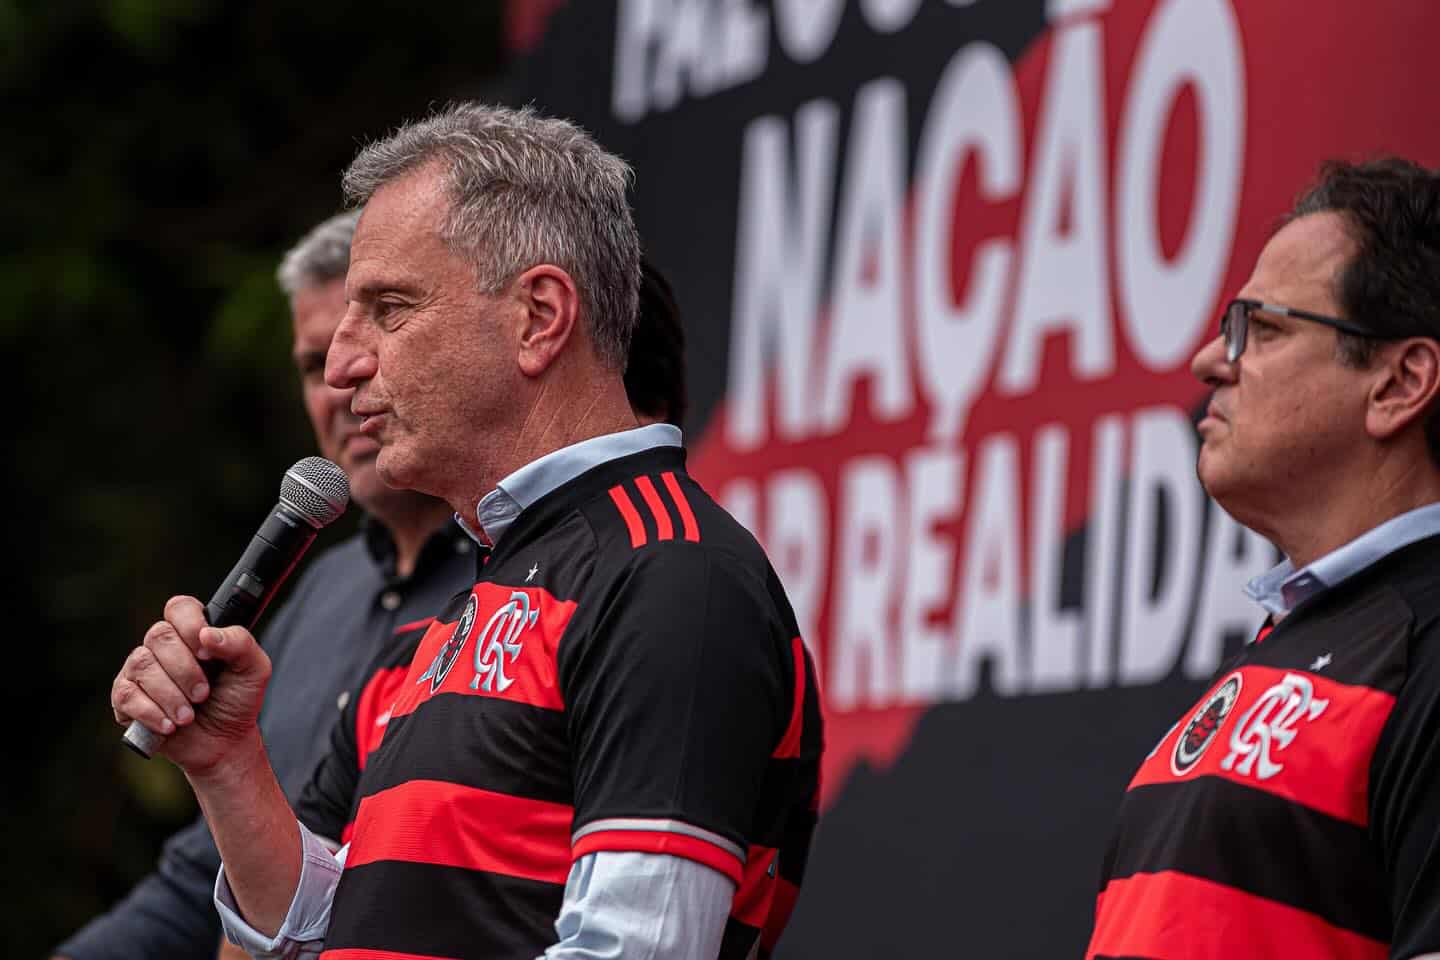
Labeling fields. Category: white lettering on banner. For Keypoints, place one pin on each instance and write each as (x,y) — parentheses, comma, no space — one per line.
(679,63)
(1233,555)
(783,226)
(1159,585)
(929,554)
(744,44)
(934,481)
(866,332)
(976,110)
(1057,10)
(889,16)
(912,625)
(806,28)
(1168,305)
(1064,280)
(742,501)
(862,656)
(797,524)
(1102,545)
(988,602)
(635,26)
(666,49)
(1055,634)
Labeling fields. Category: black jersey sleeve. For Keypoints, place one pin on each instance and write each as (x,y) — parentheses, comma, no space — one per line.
(328,801)
(676,696)
(1405,802)
(325,800)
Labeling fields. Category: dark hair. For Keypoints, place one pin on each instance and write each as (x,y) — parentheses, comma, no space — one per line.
(1391,208)
(655,371)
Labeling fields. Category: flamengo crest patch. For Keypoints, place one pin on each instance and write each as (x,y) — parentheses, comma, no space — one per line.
(1201,729)
(445,659)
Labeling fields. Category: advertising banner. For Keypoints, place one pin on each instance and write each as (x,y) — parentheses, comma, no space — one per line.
(943,265)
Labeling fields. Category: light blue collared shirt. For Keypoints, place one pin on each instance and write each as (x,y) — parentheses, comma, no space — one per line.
(1282,588)
(498,509)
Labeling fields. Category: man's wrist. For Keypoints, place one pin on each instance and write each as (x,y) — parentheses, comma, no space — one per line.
(239,765)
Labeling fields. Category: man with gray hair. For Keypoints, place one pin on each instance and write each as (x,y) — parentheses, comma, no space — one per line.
(600,747)
(404,564)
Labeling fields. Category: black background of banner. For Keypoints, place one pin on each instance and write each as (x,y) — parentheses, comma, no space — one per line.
(985,838)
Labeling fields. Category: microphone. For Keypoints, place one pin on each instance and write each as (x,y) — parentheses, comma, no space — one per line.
(312,494)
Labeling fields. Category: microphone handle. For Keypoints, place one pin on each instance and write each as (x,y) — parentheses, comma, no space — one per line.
(272,554)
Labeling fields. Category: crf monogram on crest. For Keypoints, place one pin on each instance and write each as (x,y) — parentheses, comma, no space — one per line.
(1270,723)
(499,639)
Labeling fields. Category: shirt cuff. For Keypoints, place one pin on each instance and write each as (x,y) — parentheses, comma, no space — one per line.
(641,905)
(308,918)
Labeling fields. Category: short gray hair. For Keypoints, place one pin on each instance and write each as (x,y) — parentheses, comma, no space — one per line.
(321,256)
(525,189)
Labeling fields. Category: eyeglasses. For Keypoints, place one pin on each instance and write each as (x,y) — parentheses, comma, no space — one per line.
(1235,324)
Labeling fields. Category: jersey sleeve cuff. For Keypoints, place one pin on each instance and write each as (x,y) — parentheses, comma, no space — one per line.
(650,835)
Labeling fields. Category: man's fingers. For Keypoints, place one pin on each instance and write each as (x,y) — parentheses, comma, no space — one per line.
(237,647)
(143,691)
(187,616)
(176,658)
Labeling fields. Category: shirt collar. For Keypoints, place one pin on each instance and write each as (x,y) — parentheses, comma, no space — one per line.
(380,545)
(1283,588)
(498,509)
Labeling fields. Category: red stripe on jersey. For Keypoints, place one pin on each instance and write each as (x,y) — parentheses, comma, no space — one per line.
(632,518)
(430,821)
(415,625)
(1317,747)
(751,905)
(529,675)
(675,844)
(356,953)
(1178,916)
(1264,631)
(692,529)
(790,743)
(664,529)
(372,714)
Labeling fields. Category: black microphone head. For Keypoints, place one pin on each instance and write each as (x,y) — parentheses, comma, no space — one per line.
(316,489)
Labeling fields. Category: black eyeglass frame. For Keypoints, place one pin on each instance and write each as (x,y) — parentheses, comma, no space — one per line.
(1235,323)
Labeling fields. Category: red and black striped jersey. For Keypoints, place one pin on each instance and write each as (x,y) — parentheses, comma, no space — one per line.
(1294,810)
(625,675)
(327,803)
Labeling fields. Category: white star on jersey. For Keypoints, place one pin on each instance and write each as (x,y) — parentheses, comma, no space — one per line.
(1321,662)
(531,575)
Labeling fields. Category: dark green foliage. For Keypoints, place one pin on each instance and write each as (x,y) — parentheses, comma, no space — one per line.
(157,158)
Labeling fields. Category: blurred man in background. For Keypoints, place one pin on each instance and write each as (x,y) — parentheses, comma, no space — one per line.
(1295,810)
(612,763)
(403,565)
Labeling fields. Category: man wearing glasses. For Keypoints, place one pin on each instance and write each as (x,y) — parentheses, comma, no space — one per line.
(1294,809)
